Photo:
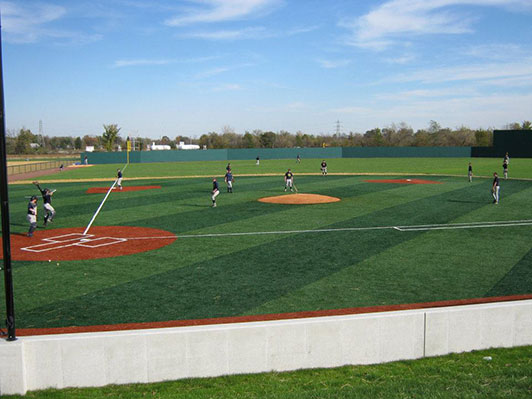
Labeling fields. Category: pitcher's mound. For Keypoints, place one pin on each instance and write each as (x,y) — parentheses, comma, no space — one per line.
(296,199)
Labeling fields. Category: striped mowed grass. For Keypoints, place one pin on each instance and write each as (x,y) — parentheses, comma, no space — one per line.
(246,257)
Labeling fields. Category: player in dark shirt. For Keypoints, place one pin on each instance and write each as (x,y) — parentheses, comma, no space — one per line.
(323,168)
(505,168)
(288,180)
(47,203)
(470,172)
(215,192)
(298,159)
(32,215)
(119,178)
(495,188)
(229,181)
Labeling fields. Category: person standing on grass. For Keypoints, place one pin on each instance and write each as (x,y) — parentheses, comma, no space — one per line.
(298,159)
(495,188)
(215,192)
(323,168)
(258,161)
(507,158)
(470,172)
(228,167)
(505,168)
(32,215)
(229,181)
(288,180)
(119,179)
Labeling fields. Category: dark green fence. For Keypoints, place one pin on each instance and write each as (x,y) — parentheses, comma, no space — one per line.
(234,154)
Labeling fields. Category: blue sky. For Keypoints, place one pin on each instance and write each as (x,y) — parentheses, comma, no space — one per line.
(163,67)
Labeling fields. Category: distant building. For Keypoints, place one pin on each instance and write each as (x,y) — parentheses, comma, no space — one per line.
(156,147)
(183,146)
(89,148)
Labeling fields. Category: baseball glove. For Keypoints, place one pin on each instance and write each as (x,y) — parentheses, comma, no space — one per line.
(35,182)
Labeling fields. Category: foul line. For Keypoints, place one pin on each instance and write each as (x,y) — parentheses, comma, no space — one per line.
(422,227)
(101,204)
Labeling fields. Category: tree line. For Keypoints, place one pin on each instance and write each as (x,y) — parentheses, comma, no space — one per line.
(400,135)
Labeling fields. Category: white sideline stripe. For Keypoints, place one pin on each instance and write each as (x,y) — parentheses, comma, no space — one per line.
(471,225)
(84,241)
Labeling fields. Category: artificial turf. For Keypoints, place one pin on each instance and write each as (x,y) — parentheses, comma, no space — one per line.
(493,373)
(275,273)
(519,167)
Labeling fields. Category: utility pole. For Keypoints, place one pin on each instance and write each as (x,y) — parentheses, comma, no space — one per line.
(338,127)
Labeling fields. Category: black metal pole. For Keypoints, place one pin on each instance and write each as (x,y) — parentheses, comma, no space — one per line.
(6,241)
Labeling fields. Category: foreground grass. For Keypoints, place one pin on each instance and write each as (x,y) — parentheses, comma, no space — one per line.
(466,375)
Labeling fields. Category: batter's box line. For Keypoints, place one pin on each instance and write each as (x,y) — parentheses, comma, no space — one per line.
(80,242)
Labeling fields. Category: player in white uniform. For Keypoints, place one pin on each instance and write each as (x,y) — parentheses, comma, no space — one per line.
(32,215)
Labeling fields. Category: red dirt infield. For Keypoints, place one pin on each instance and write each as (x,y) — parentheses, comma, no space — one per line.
(265,317)
(404,181)
(100,190)
(100,242)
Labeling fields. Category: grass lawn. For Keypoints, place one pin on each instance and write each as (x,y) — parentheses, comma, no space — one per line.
(521,168)
(233,275)
(466,375)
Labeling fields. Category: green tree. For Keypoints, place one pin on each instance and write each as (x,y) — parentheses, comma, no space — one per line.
(78,143)
(109,136)
(23,143)
(267,139)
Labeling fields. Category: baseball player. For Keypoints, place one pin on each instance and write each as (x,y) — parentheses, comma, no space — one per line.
(119,178)
(258,161)
(298,159)
(505,168)
(288,180)
(470,172)
(47,203)
(215,192)
(495,188)
(323,168)
(229,179)
(32,215)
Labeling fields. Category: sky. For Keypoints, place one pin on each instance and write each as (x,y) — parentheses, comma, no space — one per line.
(188,67)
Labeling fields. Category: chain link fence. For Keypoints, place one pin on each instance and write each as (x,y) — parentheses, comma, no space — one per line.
(36,166)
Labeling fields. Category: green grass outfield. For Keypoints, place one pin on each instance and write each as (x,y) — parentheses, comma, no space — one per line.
(521,168)
(228,275)
(458,376)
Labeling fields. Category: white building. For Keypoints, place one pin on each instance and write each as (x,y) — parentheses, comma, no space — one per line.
(183,146)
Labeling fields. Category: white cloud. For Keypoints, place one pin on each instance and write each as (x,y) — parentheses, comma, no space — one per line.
(401,60)
(475,72)
(247,33)
(228,87)
(395,19)
(332,64)
(208,11)
(31,23)
(150,62)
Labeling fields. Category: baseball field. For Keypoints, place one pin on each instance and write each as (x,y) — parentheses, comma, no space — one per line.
(415,231)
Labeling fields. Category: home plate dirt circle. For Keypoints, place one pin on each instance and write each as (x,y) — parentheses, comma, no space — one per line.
(100,242)
(297,199)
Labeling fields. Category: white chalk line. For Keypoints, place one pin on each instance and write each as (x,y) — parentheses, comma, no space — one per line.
(91,241)
(423,227)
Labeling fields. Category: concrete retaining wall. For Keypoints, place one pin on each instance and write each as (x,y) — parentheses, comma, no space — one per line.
(97,359)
